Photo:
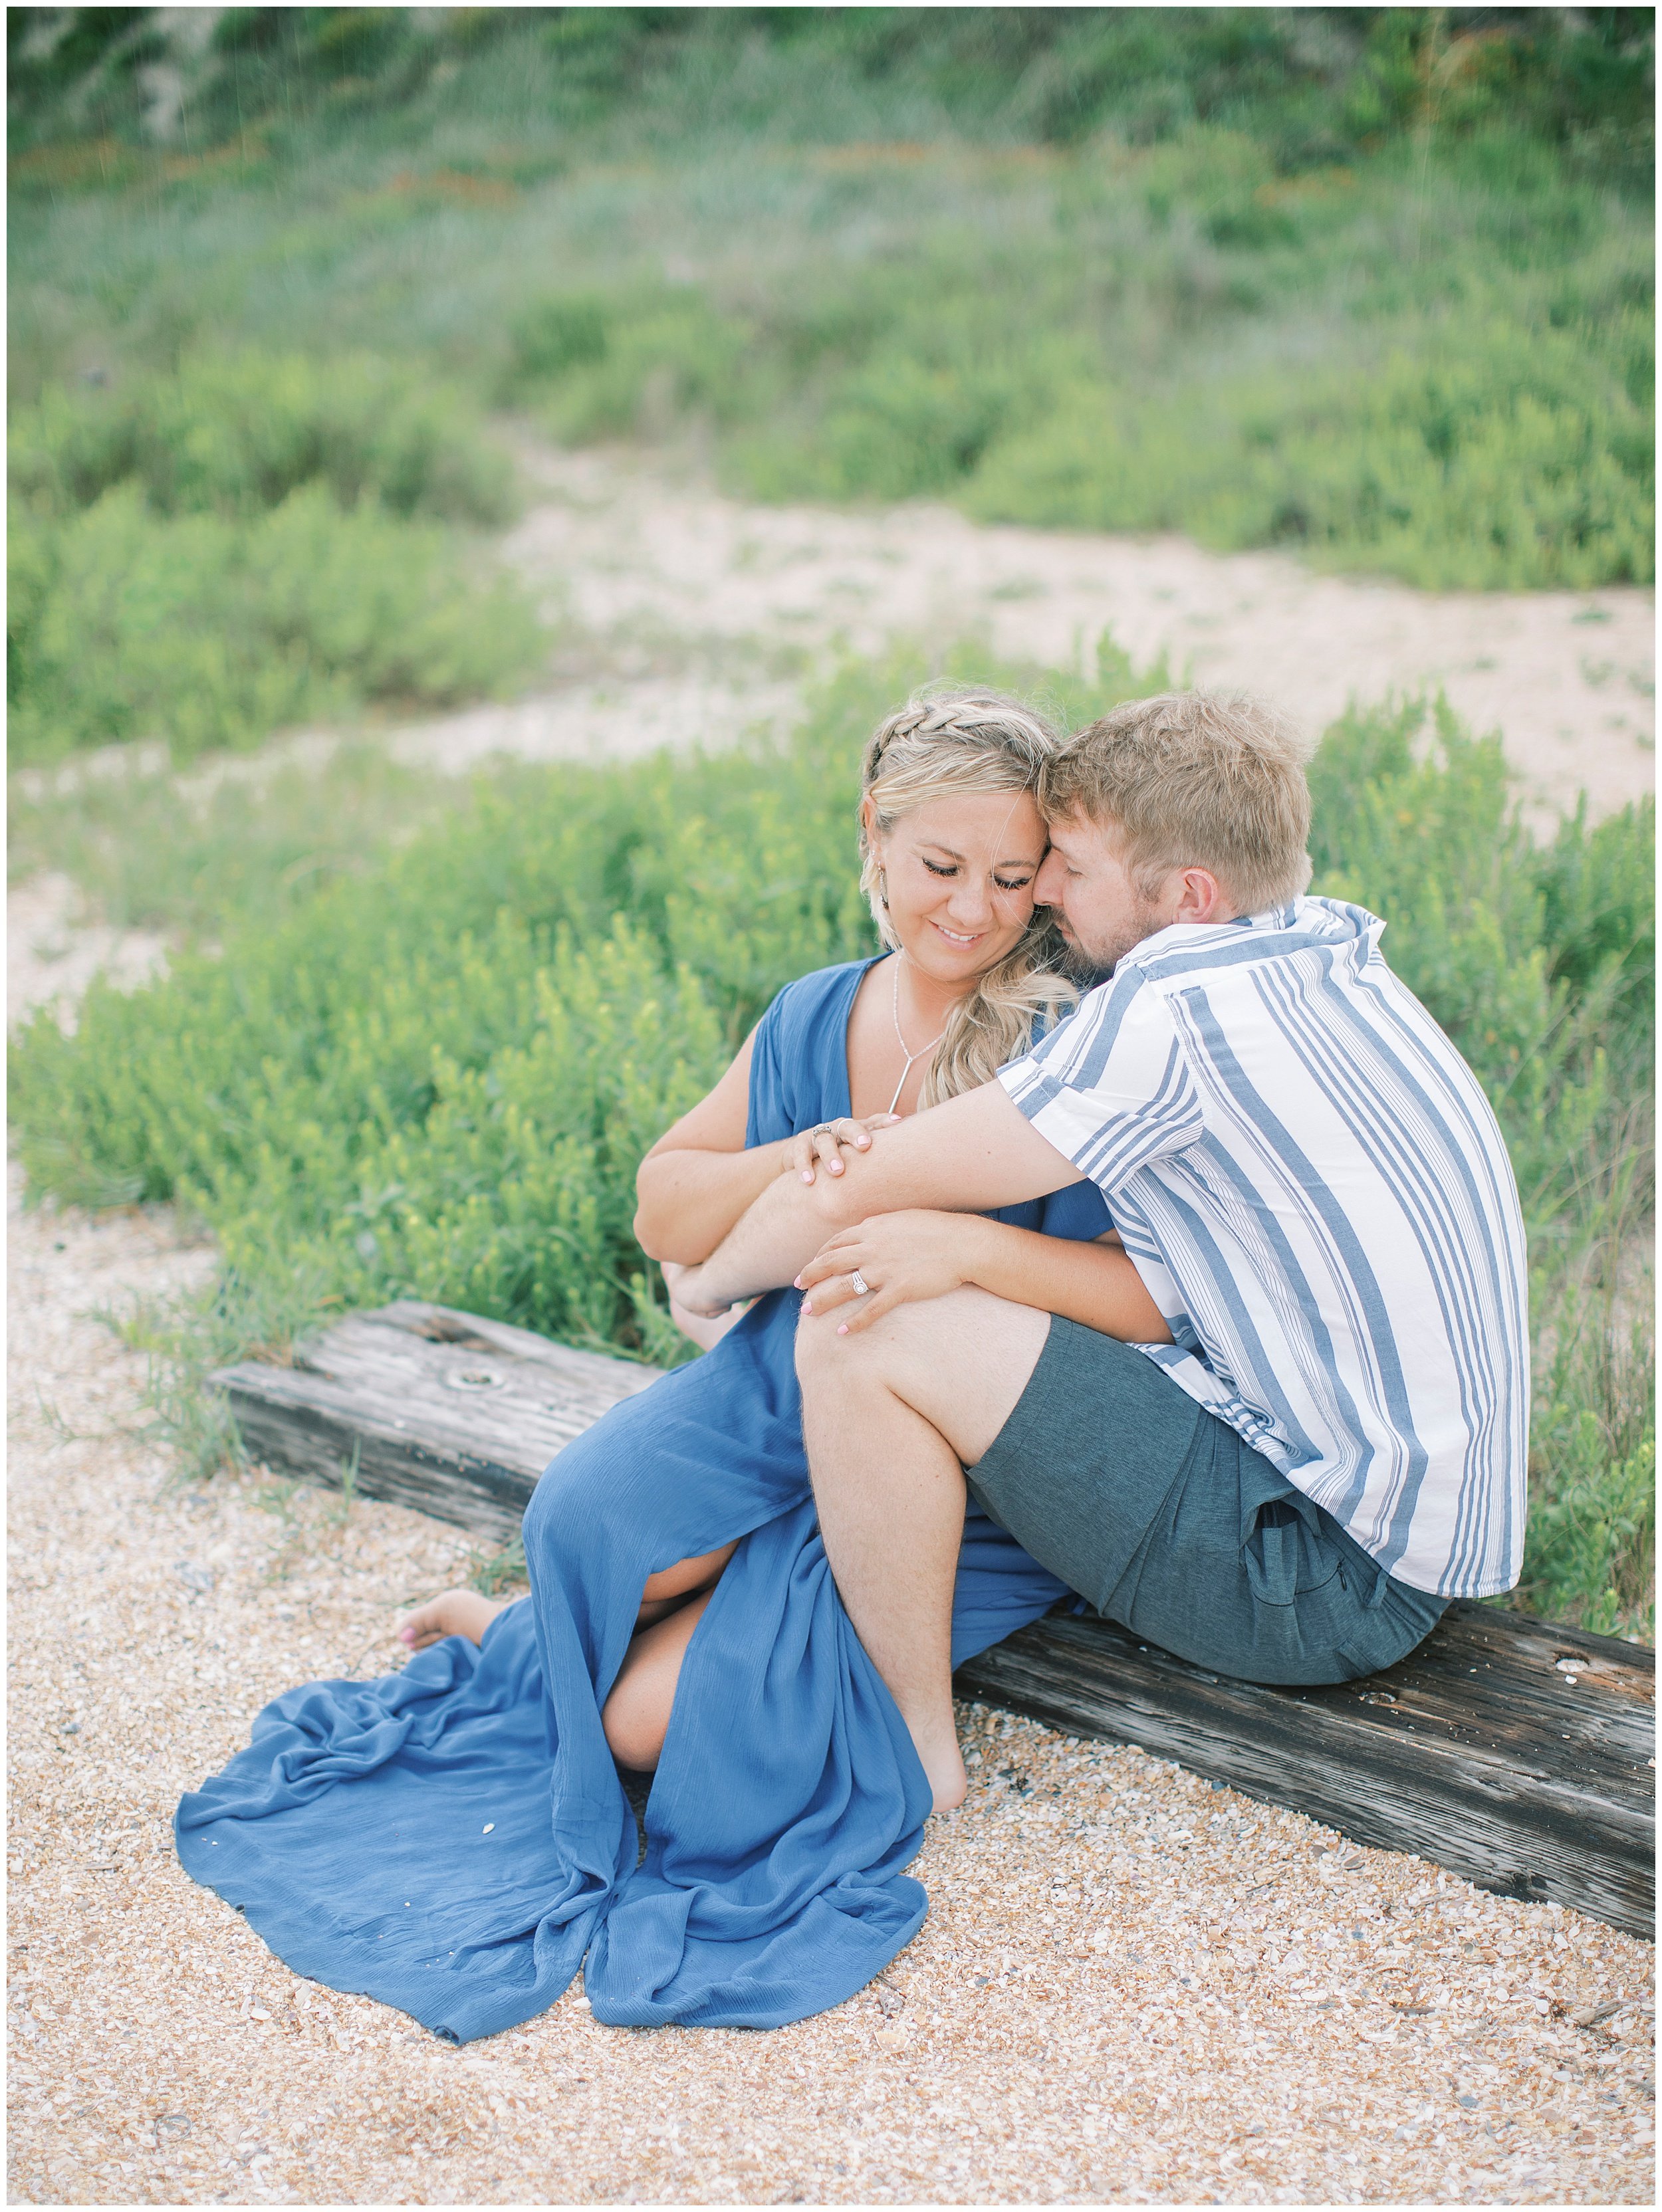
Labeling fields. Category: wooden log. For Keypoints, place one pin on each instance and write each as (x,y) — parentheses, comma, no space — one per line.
(1515,1753)
(429,1407)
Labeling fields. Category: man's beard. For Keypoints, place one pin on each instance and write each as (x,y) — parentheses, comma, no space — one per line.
(1088,965)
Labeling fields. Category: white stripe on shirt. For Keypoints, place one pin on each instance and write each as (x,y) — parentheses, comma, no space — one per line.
(1313,1188)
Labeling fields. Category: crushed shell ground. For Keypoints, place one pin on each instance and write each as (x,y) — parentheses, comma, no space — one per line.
(1130,1986)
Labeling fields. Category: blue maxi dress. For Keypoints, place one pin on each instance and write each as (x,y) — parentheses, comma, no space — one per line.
(454,1840)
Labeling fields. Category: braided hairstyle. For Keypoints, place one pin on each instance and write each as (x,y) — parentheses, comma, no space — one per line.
(972,742)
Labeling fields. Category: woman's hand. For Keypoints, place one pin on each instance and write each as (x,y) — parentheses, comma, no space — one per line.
(823,1145)
(915,1254)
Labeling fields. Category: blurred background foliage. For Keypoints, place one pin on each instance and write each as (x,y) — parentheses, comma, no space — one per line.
(1373,284)
(287,285)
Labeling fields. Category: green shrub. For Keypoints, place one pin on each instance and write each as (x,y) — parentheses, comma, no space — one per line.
(149,850)
(207,630)
(627,364)
(1589,1554)
(236,434)
(1376,284)
(1501,457)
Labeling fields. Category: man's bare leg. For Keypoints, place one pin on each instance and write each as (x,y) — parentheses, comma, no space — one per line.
(893,1415)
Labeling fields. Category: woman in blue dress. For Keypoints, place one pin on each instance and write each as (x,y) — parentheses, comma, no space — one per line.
(455,1839)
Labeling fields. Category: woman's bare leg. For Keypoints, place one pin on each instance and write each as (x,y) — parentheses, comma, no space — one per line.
(668,1589)
(636,1714)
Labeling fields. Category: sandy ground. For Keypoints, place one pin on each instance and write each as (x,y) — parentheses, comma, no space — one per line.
(1131,1986)
(52,953)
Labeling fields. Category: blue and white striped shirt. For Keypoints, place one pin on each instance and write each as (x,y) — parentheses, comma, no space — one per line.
(1313,1188)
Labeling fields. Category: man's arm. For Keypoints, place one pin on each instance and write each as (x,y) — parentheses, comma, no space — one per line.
(975,1151)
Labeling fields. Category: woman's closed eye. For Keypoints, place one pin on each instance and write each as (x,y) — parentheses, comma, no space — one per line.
(1020,882)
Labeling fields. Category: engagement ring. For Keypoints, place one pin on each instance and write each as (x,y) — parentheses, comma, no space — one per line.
(861,1287)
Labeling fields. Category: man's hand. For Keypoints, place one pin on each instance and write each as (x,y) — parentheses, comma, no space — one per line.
(682,1285)
(913,1254)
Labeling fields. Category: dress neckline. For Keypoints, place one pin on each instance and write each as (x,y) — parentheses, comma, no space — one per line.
(863,970)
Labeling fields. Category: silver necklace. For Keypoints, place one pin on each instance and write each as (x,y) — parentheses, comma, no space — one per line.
(901,1035)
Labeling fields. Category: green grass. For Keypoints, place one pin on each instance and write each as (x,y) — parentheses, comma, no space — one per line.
(204,557)
(1374,284)
(436,1077)
(243,846)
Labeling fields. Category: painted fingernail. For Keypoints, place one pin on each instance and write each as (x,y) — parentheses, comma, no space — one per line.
(837,1167)
(406,1636)
(808,1306)
(842,1329)
(808,1174)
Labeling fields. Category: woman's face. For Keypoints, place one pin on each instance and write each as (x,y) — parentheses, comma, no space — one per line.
(959,871)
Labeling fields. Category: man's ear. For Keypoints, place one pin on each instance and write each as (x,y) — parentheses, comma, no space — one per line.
(1200,896)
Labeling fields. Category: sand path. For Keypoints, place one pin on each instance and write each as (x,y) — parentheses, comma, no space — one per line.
(698,605)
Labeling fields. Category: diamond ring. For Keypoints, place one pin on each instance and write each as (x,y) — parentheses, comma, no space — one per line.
(861,1287)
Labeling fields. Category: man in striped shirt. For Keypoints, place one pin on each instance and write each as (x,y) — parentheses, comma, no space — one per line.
(1311,1187)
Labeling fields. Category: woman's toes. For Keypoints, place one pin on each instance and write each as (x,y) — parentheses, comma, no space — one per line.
(421,1626)
(453,1613)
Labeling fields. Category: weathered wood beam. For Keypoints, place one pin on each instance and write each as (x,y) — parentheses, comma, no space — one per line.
(429,1407)
(1515,1753)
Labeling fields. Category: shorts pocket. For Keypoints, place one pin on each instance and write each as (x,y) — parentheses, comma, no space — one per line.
(1285,1558)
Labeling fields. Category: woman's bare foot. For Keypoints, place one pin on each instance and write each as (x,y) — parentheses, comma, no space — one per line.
(935,1739)
(453,1612)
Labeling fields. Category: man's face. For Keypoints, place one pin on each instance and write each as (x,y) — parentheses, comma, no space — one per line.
(1099,909)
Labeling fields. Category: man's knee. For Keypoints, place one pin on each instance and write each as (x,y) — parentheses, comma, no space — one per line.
(961,1361)
(821,1354)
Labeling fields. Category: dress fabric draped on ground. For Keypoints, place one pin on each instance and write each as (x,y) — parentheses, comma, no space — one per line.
(454,1840)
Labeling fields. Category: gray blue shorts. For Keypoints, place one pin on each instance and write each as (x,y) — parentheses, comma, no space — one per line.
(1155,1510)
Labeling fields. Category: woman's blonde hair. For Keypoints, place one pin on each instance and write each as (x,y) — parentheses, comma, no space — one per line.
(969,743)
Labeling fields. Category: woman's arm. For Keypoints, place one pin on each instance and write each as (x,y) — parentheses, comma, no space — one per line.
(922,1254)
(698,1179)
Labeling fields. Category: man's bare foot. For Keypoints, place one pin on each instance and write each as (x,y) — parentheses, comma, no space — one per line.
(453,1612)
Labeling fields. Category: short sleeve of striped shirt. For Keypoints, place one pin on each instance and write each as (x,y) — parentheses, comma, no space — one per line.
(1110,1086)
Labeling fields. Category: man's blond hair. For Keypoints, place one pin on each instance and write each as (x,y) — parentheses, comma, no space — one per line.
(1192,779)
